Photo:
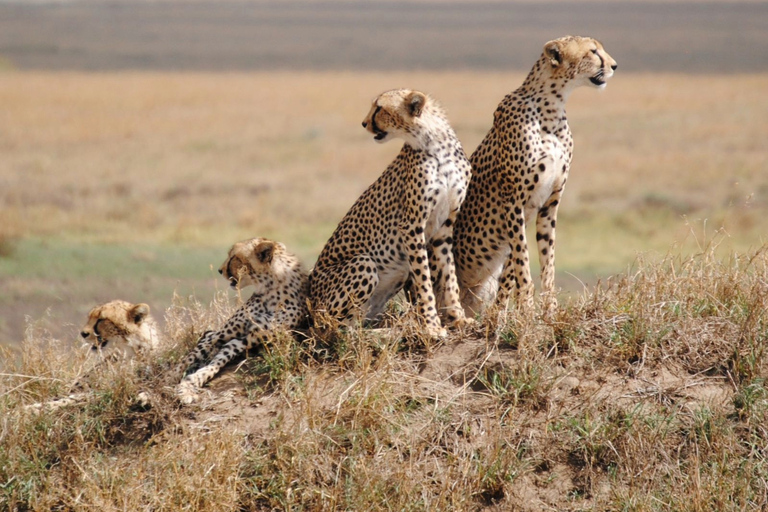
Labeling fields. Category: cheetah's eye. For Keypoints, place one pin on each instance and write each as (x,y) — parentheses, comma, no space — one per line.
(594,50)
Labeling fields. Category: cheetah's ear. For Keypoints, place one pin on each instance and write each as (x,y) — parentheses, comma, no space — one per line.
(138,313)
(415,102)
(264,251)
(553,52)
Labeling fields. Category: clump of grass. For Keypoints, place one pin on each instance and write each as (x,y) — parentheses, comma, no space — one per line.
(645,393)
(522,384)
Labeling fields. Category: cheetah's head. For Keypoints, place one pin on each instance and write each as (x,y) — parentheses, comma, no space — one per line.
(119,326)
(256,262)
(396,114)
(579,61)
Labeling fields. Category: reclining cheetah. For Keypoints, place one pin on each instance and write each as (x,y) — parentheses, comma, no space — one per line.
(117,331)
(280,301)
(519,170)
(401,229)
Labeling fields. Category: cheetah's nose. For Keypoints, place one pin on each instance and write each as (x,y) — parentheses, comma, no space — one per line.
(614,67)
(84,334)
(221,272)
(365,124)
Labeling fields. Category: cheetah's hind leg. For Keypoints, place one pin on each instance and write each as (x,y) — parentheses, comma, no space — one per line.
(346,291)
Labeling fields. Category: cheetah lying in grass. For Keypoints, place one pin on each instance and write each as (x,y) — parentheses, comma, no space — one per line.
(117,331)
(278,302)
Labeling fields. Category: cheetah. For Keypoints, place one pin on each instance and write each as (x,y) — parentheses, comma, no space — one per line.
(120,329)
(400,230)
(116,331)
(519,170)
(279,301)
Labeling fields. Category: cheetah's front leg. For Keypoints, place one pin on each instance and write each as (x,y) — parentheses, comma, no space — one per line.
(210,342)
(516,276)
(545,238)
(421,283)
(443,271)
(80,384)
(188,388)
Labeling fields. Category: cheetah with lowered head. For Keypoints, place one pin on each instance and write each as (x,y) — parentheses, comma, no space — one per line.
(519,171)
(279,301)
(120,329)
(400,230)
(117,331)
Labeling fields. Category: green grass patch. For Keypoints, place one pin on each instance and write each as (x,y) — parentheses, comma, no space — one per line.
(55,258)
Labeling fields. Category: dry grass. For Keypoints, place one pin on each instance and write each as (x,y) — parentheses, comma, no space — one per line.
(645,393)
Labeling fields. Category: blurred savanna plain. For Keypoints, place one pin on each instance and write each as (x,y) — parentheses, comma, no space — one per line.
(140,140)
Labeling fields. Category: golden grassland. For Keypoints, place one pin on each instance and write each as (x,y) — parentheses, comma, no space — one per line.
(139,182)
(206,159)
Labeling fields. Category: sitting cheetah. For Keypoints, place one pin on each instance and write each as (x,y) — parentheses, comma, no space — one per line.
(280,301)
(117,330)
(401,229)
(519,170)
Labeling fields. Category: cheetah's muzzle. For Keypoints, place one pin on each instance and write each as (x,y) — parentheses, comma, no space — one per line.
(597,79)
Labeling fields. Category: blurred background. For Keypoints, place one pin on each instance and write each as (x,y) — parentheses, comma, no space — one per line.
(140,139)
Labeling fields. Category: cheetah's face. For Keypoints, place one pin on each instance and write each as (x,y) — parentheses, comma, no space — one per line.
(580,60)
(252,263)
(115,326)
(394,114)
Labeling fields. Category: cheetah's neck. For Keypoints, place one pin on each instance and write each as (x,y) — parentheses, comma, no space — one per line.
(292,278)
(288,298)
(547,96)
(434,135)
(149,338)
(540,82)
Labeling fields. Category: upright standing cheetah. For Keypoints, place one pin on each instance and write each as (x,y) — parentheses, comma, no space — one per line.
(401,229)
(519,170)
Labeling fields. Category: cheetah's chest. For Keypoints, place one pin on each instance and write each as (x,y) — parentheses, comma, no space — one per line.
(443,194)
(550,169)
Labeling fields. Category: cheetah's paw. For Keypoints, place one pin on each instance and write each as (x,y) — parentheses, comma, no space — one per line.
(187,393)
(437,332)
(462,323)
(549,305)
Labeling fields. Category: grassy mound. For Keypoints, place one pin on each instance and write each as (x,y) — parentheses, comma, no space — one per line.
(647,392)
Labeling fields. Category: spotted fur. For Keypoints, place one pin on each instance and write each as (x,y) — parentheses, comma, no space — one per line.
(121,329)
(279,301)
(519,171)
(116,331)
(400,230)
